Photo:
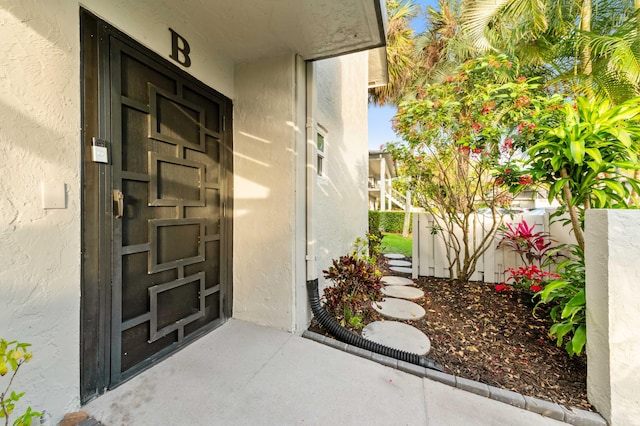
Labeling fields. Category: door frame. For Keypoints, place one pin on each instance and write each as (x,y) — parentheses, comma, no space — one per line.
(97,210)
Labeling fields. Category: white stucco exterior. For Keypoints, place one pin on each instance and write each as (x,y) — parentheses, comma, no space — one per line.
(266,148)
(612,251)
(40,140)
(270,187)
(40,250)
(341,205)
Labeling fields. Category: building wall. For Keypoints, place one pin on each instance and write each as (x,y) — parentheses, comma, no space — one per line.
(40,141)
(265,145)
(342,197)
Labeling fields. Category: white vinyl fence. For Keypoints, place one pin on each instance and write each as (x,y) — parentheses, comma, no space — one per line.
(430,252)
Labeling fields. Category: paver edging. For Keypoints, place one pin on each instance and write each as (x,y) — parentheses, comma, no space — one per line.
(572,415)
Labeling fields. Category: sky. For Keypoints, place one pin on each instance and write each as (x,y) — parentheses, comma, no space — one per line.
(380,131)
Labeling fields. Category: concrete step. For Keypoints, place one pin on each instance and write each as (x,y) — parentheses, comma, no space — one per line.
(394,256)
(401,269)
(393,280)
(402,292)
(399,309)
(397,335)
(399,263)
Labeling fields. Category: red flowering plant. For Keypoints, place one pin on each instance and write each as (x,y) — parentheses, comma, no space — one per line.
(512,177)
(461,130)
(531,246)
(528,278)
(534,249)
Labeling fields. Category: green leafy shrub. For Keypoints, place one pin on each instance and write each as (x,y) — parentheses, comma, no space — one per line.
(588,158)
(374,235)
(392,221)
(367,249)
(12,356)
(567,293)
(374,221)
(356,284)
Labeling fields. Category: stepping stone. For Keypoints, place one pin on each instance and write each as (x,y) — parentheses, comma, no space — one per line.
(399,263)
(399,309)
(393,280)
(402,292)
(394,256)
(401,269)
(397,335)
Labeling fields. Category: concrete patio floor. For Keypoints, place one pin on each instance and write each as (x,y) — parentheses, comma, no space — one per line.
(245,374)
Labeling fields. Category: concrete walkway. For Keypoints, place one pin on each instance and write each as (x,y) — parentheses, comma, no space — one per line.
(245,374)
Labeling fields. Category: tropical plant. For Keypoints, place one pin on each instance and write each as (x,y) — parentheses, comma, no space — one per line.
(400,52)
(581,48)
(587,158)
(13,355)
(529,278)
(532,246)
(440,50)
(356,284)
(374,234)
(367,249)
(455,136)
(567,295)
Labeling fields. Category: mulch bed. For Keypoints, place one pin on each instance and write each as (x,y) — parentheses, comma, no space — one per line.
(480,334)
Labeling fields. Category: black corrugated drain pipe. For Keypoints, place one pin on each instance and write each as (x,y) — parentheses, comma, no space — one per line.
(346,336)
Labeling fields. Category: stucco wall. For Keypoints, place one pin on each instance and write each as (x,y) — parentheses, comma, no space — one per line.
(341,206)
(40,141)
(265,145)
(613,313)
(269,229)
(148,21)
(40,249)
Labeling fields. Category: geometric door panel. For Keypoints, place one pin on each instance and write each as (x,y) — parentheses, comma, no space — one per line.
(168,258)
(157,217)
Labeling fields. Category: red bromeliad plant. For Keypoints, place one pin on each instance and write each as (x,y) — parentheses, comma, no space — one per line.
(526,278)
(531,246)
(534,249)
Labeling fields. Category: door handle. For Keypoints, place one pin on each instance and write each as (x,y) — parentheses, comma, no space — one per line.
(118,197)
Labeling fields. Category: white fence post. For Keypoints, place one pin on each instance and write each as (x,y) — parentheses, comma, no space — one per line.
(415,247)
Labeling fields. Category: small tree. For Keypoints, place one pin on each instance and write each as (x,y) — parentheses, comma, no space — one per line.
(456,134)
(588,158)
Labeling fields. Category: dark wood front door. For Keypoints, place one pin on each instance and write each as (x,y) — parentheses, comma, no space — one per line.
(158,210)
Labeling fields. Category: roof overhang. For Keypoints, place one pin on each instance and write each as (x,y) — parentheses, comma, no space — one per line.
(378,71)
(245,30)
(377,157)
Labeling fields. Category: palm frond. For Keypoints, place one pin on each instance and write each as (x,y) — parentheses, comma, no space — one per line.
(483,19)
(400,52)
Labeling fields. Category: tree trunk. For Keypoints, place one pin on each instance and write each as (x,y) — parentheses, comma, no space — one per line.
(407,214)
(585,25)
(585,55)
(573,212)
(636,173)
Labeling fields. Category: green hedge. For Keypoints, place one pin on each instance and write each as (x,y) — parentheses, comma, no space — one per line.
(374,221)
(388,221)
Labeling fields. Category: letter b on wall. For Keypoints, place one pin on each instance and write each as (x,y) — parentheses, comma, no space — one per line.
(180,49)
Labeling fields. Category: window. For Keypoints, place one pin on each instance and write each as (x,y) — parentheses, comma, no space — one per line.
(320,166)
